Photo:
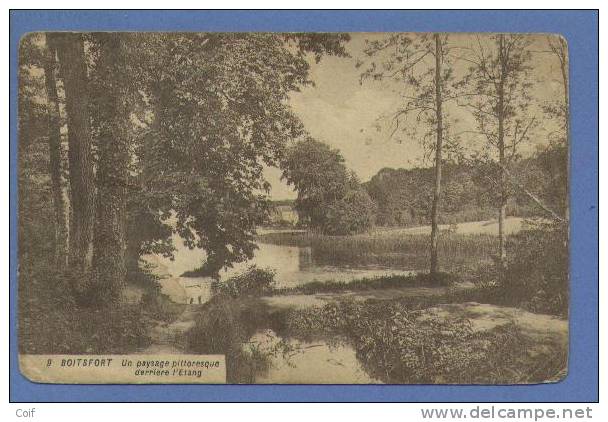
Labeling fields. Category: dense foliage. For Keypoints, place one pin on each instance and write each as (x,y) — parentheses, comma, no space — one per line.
(252,282)
(52,322)
(537,272)
(354,213)
(140,136)
(224,97)
(403,196)
(330,199)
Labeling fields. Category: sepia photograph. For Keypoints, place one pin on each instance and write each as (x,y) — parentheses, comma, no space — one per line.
(293,208)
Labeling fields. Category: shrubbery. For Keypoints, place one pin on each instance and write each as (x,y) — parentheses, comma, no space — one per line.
(536,274)
(330,199)
(354,213)
(155,304)
(224,326)
(537,271)
(253,282)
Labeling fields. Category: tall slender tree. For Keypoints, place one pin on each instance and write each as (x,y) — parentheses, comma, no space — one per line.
(559,48)
(36,212)
(55,168)
(438,152)
(500,76)
(422,66)
(71,54)
(561,111)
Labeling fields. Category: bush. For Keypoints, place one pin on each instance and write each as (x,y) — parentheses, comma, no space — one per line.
(354,213)
(253,282)
(225,326)
(537,270)
(218,329)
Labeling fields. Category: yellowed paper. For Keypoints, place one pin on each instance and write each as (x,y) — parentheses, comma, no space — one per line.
(293,208)
(124,369)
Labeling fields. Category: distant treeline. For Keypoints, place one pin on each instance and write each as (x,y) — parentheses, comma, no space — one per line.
(403,196)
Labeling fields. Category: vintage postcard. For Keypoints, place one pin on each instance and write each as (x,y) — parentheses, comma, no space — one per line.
(293,208)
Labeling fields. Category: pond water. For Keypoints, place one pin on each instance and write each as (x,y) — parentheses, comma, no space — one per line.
(308,362)
(293,265)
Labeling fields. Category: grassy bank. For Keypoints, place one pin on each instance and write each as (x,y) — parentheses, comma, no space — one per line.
(366,284)
(397,341)
(400,343)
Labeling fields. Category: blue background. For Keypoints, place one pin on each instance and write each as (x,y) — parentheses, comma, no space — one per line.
(580,29)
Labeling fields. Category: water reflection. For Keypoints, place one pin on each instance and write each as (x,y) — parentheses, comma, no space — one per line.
(314,362)
(294,265)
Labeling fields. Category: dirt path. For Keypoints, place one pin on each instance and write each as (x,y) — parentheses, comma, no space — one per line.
(169,337)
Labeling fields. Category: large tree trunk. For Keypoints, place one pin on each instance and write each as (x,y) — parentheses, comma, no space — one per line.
(438,147)
(61,230)
(502,206)
(70,50)
(133,249)
(112,173)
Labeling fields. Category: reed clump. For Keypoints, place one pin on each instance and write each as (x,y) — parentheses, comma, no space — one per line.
(391,249)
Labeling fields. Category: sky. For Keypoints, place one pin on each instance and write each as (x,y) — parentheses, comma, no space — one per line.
(344,113)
